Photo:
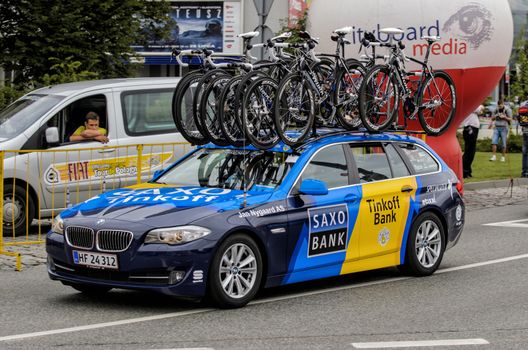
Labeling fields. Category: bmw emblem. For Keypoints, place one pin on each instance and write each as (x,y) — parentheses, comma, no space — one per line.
(100,221)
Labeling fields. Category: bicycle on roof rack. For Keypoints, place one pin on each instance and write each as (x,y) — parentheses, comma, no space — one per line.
(333,91)
(429,94)
(187,106)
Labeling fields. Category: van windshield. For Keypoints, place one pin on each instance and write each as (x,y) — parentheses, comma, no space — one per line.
(19,115)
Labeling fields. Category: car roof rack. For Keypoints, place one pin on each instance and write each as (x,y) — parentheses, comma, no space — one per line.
(319,136)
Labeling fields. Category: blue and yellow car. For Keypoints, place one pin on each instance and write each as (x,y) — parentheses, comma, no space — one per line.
(224,222)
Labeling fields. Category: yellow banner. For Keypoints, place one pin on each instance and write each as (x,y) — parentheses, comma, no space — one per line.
(96,169)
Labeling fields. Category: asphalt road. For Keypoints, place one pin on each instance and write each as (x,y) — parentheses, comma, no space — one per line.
(478,296)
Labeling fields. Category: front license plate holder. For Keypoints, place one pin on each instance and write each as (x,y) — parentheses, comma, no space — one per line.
(95,260)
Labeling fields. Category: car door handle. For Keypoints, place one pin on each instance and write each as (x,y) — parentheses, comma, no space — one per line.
(351,198)
(407,189)
(106,150)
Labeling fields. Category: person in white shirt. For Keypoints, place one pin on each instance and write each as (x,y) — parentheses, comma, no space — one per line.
(471,128)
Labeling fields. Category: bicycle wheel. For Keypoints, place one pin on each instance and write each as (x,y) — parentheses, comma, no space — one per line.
(437,103)
(209,110)
(228,115)
(182,109)
(200,88)
(324,71)
(294,109)
(378,99)
(346,94)
(257,113)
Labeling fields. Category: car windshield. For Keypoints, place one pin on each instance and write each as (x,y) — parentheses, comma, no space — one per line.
(231,169)
(19,115)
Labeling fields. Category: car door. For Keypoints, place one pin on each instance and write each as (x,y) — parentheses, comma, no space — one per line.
(146,119)
(320,226)
(70,174)
(385,210)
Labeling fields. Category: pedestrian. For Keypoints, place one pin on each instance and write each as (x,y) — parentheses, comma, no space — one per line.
(501,120)
(523,122)
(471,128)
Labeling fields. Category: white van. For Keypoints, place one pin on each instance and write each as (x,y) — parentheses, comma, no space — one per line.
(133,111)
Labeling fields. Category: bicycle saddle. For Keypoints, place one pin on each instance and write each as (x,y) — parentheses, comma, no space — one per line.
(391,31)
(343,31)
(281,37)
(248,35)
(430,39)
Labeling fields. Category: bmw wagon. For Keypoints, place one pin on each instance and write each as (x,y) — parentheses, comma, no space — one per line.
(223,222)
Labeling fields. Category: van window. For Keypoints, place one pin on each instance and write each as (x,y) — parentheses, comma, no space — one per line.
(68,119)
(19,115)
(148,112)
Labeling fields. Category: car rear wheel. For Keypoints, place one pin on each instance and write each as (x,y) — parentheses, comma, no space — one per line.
(236,272)
(425,246)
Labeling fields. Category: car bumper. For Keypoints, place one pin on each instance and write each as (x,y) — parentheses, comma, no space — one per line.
(455,217)
(172,270)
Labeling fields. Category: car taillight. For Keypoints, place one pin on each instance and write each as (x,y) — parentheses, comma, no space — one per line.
(460,188)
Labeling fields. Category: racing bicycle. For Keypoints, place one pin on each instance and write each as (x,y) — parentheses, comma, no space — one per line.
(429,94)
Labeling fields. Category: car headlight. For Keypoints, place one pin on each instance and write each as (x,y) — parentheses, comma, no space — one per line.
(57,225)
(176,235)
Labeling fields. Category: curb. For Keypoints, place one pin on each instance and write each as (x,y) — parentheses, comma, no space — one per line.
(495,184)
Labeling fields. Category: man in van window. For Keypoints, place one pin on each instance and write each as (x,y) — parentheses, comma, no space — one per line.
(90,130)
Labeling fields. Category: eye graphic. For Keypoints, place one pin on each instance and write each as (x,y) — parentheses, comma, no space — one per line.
(471,23)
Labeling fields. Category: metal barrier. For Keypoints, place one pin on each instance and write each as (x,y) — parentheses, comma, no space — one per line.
(38,184)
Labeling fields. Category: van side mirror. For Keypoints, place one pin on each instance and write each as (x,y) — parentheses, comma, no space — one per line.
(313,187)
(52,135)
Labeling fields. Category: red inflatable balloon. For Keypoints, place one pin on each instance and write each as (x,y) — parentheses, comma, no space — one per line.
(475,46)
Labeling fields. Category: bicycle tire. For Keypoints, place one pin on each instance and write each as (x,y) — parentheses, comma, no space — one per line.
(346,94)
(443,92)
(182,109)
(209,110)
(200,88)
(228,117)
(257,113)
(325,73)
(373,105)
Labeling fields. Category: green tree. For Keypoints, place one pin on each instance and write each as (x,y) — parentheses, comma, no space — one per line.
(95,33)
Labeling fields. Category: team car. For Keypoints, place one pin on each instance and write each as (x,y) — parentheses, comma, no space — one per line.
(223,222)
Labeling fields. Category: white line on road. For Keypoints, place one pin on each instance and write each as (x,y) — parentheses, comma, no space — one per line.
(416,344)
(103,325)
(523,223)
(186,349)
(256,302)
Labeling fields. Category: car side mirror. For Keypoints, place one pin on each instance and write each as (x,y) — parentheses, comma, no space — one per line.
(52,135)
(313,187)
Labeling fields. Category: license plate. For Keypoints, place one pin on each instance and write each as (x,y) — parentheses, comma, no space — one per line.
(104,261)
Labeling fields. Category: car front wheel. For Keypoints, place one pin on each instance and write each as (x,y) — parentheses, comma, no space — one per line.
(236,272)
(425,246)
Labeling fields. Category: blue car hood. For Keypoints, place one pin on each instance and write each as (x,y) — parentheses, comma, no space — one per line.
(153,204)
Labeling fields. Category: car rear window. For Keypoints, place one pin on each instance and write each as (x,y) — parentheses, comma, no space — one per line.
(371,162)
(420,159)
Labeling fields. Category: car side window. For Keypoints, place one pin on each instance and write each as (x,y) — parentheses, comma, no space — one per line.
(328,165)
(148,112)
(371,161)
(420,159)
(399,169)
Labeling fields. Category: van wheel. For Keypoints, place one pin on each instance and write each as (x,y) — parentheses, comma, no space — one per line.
(18,209)
(425,246)
(236,272)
